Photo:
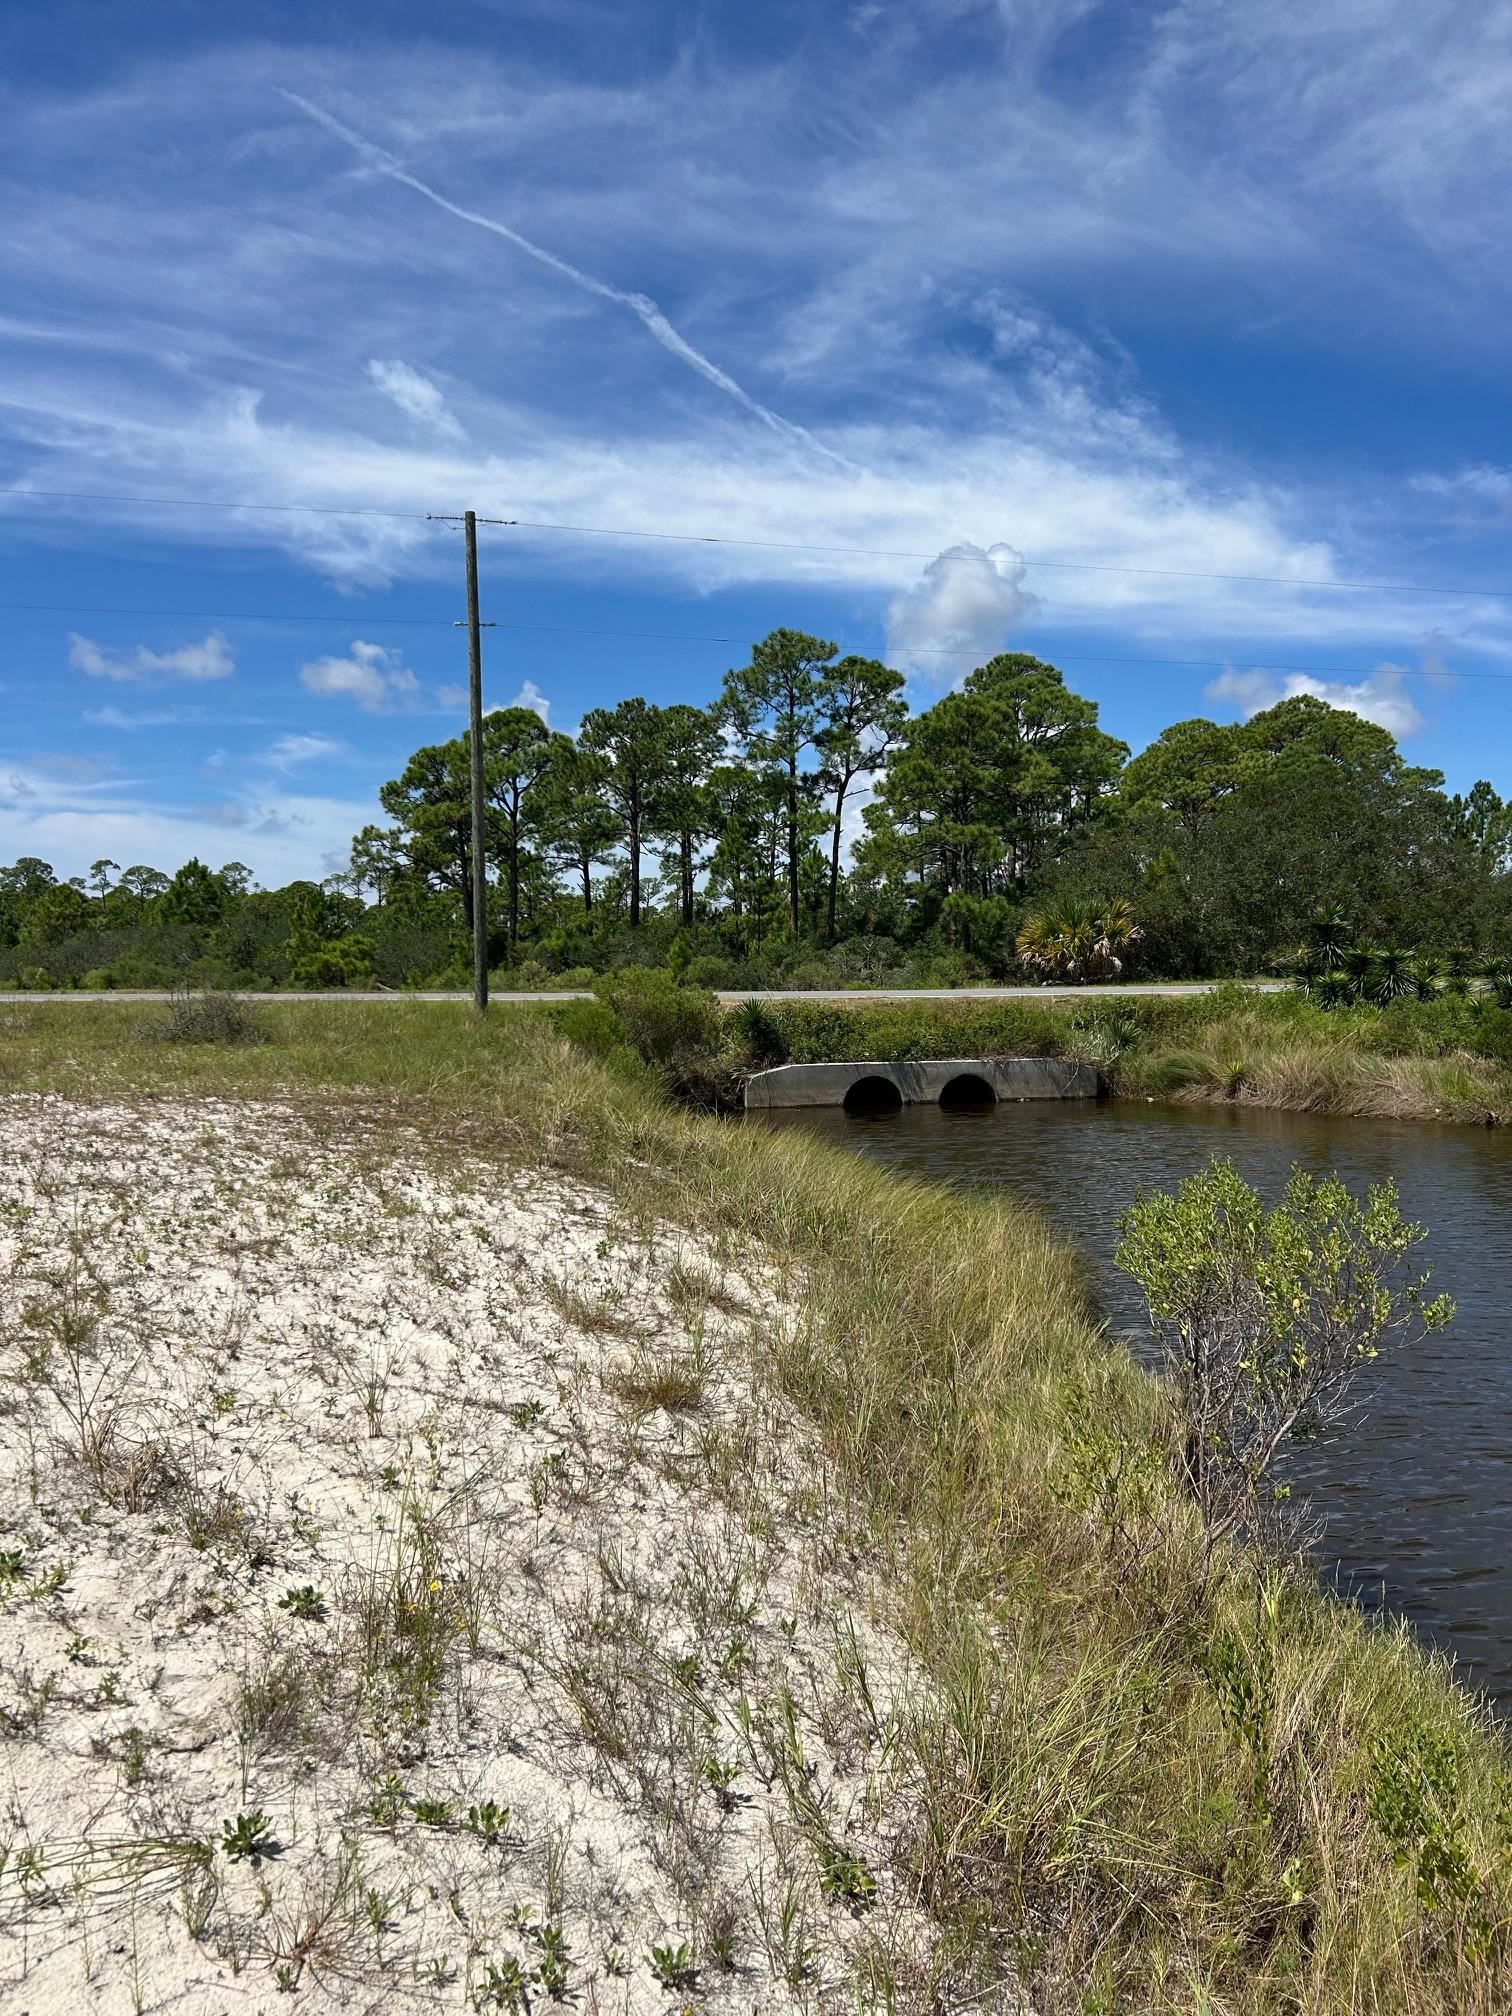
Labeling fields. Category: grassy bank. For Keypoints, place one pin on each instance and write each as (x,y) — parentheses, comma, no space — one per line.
(1449,1058)
(1147,1780)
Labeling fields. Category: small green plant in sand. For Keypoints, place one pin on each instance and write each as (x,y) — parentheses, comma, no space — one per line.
(305,1603)
(249,1838)
(672,1965)
(488,1822)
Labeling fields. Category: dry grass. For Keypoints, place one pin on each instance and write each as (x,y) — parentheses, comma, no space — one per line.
(1142,1790)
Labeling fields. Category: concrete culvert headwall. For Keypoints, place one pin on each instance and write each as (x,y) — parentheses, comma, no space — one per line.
(871,1096)
(968,1093)
(921,1082)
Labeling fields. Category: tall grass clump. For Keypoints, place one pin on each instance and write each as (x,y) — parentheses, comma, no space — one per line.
(208,1016)
(1151,1774)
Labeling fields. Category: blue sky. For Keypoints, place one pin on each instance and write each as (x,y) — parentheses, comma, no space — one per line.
(986,288)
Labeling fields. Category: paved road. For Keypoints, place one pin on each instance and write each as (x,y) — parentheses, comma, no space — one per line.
(840,994)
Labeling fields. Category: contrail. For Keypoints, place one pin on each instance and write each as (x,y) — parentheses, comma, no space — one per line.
(640,305)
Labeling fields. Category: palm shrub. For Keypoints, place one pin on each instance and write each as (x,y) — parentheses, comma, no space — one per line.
(1328,938)
(1078,941)
(1390,976)
(1425,975)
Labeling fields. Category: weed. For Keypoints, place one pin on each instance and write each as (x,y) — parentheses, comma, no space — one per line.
(673,1965)
(207,1017)
(249,1838)
(720,1931)
(722,1776)
(553,1969)
(785,1929)
(647,1383)
(433,1812)
(306,1603)
(488,1822)
(503,1984)
(275,1704)
(845,1879)
(389,1804)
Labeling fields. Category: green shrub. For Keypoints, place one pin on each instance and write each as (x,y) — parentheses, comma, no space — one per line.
(344,962)
(708,970)
(594,1028)
(678,1031)
(760,1037)
(1492,1035)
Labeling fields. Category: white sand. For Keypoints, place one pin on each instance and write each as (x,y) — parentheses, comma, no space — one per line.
(238,1356)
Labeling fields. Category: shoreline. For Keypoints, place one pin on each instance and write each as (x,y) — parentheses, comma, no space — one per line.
(1091,1798)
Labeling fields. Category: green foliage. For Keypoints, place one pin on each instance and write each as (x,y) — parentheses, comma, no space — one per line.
(759,1034)
(1266,1316)
(305,1603)
(488,1822)
(710,840)
(1420,1800)
(593,1026)
(673,1965)
(1078,941)
(678,1031)
(248,1838)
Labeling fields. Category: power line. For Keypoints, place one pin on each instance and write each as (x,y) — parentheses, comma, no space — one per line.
(362,619)
(780,545)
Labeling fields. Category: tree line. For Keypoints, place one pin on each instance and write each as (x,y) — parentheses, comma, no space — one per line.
(807,828)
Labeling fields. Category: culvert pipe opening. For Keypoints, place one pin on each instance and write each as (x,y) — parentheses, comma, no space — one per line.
(871,1097)
(967,1094)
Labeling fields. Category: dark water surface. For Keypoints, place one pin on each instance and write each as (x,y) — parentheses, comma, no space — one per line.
(1415,1499)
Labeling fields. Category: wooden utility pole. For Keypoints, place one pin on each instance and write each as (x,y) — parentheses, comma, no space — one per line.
(475,629)
(475,730)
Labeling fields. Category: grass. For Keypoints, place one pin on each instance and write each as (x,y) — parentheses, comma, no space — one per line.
(1143,1788)
(1450,1058)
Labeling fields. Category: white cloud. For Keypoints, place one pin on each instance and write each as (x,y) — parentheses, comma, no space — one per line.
(152,717)
(377,679)
(413,393)
(1382,697)
(288,751)
(280,834)
(212,658)
(531,696)
(960,611)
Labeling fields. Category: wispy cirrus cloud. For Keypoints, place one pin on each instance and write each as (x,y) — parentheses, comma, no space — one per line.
(413,393)
(959,252)
(289,752)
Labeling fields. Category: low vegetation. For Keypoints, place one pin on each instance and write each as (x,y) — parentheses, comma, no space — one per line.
(1125,1770)
(1446,1056)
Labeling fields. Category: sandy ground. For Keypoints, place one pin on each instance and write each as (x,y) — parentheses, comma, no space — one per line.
(410,1597)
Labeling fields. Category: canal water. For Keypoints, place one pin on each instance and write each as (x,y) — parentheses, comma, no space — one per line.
(1414,1498)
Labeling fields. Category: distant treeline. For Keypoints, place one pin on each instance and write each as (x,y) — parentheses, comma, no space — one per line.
(807,829)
